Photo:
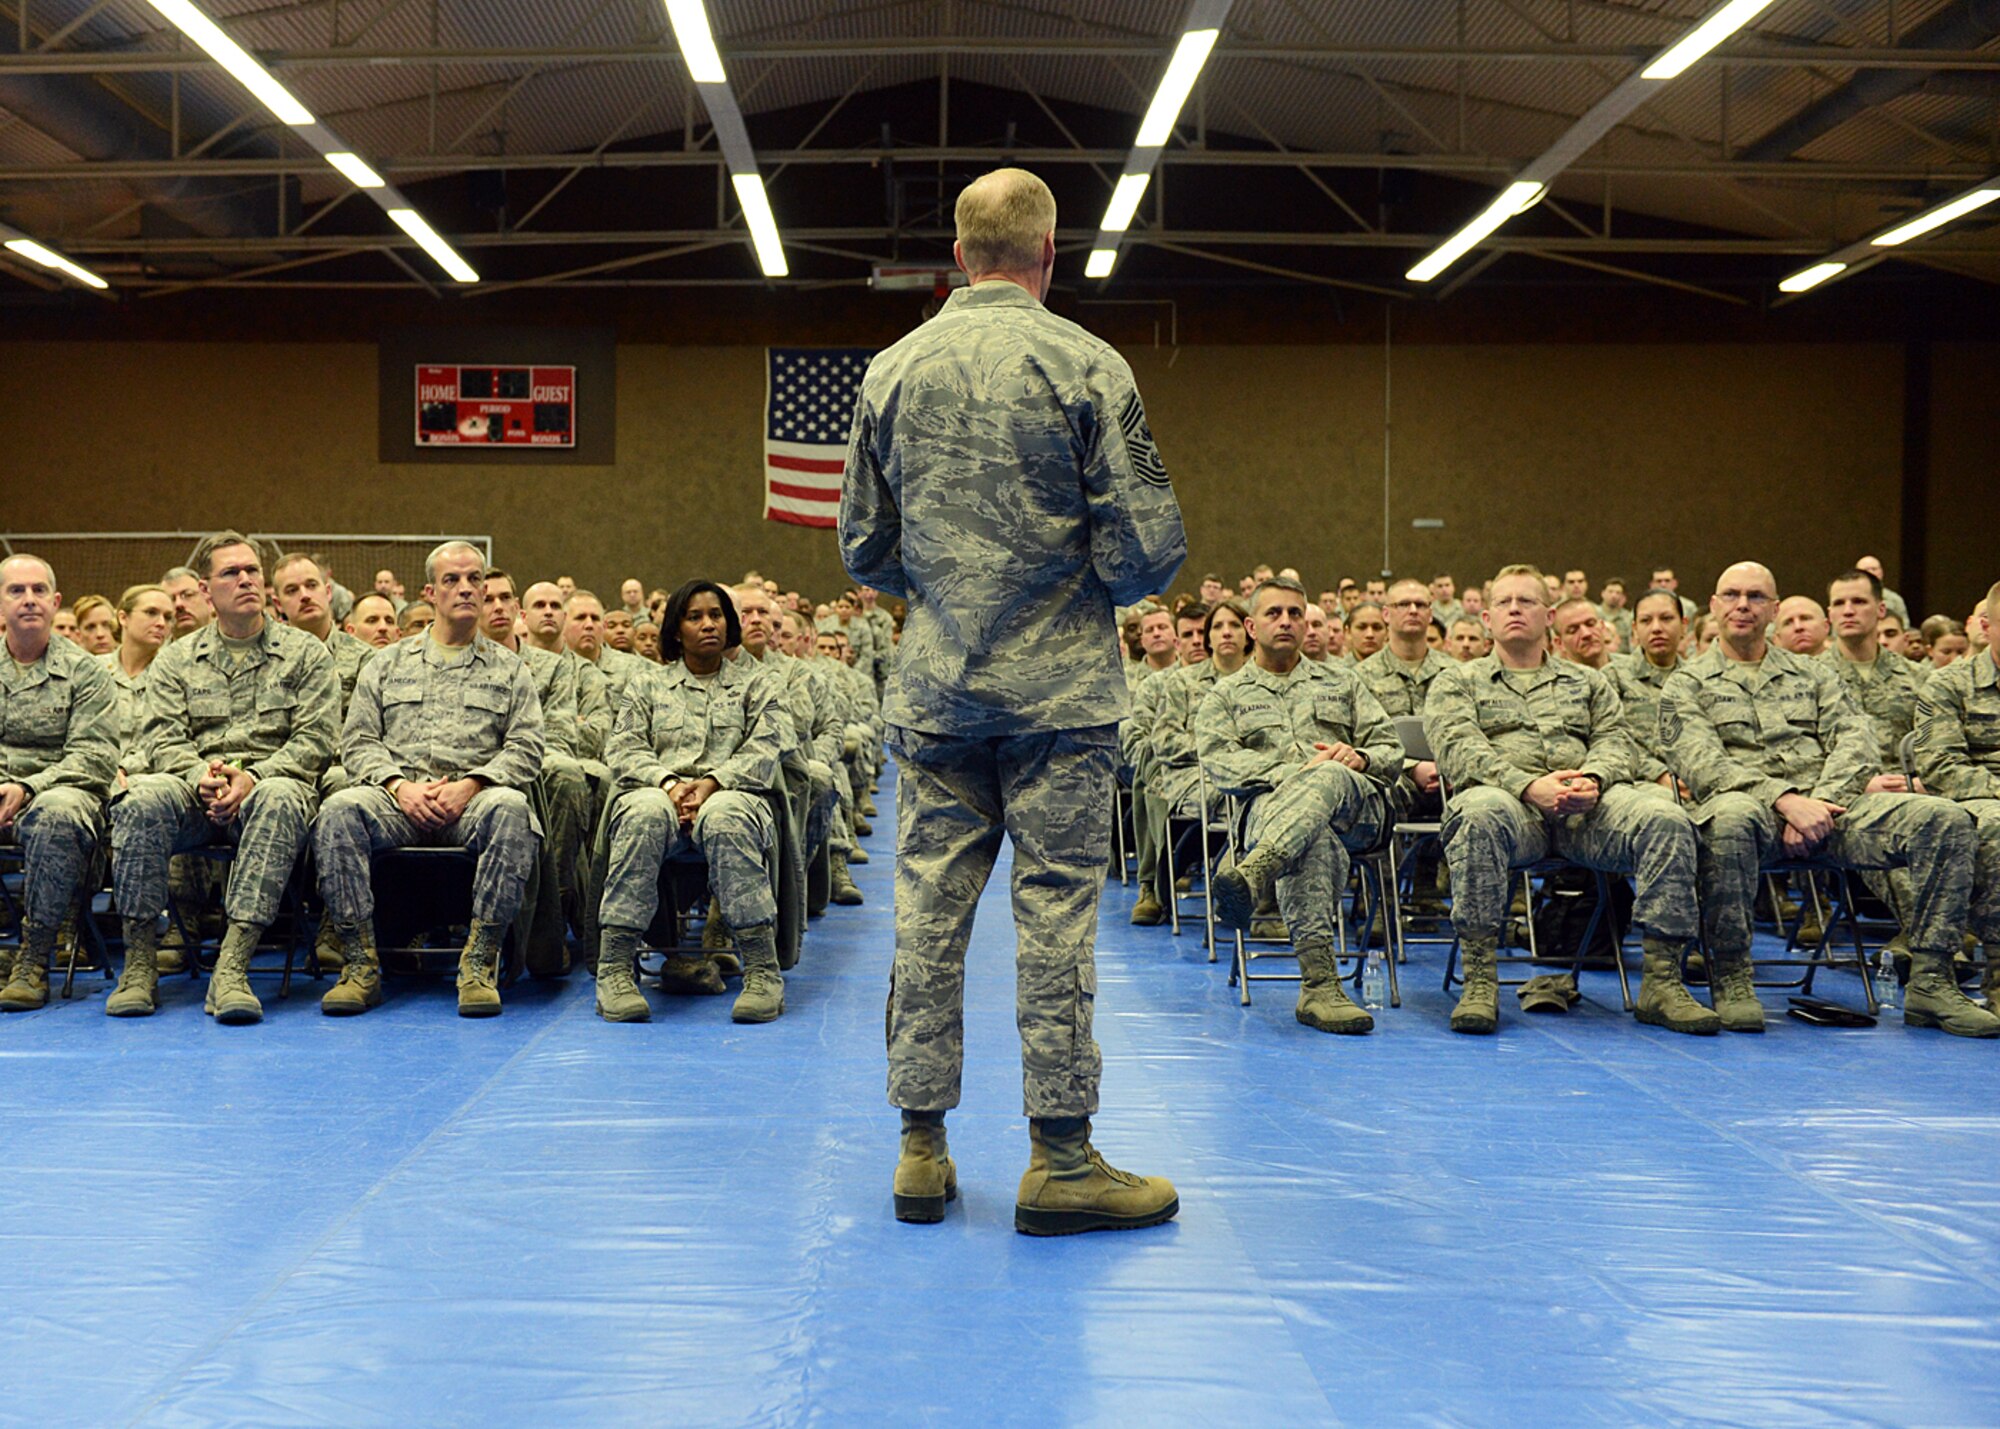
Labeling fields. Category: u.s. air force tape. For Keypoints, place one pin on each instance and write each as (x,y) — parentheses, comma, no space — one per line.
(1146,463)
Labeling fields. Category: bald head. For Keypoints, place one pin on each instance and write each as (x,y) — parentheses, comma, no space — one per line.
(1006,226)
(1745,575)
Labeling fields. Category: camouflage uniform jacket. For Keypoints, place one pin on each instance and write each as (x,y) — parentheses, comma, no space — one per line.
(1958,730)
(1001,476)
(675,727)
(422,711)
(1485,731)
(1887,693)
(1400,689)
(593,706)
(1135,729)
(555,690)
(277,716)
(58,721)
(1639,682)
(1171,741)
(1786,725)
(131,710)
(350,653)
(1256,729)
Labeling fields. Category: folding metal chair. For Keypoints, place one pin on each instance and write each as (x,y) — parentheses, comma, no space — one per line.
(286,934)
(88,934)
(420,891)
(1409,838)
(1837,911)
(1363,866)
(1542,869)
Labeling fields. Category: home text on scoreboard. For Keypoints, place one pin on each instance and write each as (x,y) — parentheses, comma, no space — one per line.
(496,405)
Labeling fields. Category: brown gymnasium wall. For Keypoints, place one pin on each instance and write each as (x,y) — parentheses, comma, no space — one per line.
(1612,457)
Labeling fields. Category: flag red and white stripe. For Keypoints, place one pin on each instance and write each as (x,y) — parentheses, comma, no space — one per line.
(809,395)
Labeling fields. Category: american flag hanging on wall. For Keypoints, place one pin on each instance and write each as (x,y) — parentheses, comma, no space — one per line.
(809,397)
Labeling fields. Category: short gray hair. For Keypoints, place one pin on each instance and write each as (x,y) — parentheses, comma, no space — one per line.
(445,548)
(1002,218)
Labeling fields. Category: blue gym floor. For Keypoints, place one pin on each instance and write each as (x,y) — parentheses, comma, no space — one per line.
(410,1219)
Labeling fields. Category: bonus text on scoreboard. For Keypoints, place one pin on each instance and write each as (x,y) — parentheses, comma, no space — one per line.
(494,405)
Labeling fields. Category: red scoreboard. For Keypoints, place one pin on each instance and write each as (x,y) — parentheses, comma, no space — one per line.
(490,405)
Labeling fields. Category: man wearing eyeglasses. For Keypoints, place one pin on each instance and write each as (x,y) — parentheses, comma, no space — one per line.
(1784,763)
(1537,757)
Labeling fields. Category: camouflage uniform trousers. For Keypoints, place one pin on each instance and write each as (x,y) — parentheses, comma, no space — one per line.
(823,816)
(735,834)
(1488,832)
(159,816)
(497,827)
(1309,824)
(571,807)
(1050,793)
(1985,869)
(1930,838)
(841,828)
(58,835)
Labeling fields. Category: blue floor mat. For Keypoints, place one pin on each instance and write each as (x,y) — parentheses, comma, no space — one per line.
(407,1218)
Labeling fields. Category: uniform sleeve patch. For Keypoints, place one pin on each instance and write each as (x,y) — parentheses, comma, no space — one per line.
(1146,463)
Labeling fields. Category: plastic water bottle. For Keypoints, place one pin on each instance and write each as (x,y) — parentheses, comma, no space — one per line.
(1374,981)
(1887,992)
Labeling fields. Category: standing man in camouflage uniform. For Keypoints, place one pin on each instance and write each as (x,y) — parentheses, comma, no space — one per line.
(696,753)
(1535,752)
(241,718)
(1958,757)
(1783,762)
(443,741)
(1001,478)
(1311,746)
(58,756)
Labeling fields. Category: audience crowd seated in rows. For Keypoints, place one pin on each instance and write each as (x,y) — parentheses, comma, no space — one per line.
(1691,751)
(574,747)
(248,702)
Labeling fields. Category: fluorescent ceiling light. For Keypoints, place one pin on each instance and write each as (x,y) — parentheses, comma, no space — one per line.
(1811,277)
(49,258)
(1704,37)
(1175,86)
(1100,262)
(690,21)
(1125,202)
(1937,218)
(412,223)
(232,57)
(763,228)
(1517,197)
(357,170)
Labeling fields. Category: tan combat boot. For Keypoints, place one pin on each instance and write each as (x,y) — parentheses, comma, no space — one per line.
(229,999)
(1478,1010)
(618,995)
(844,892)
(479,971)
(360,985)
(1070,1188)
(925,1176)
(1239,891)
(763,995)
(1664,1000)
(138,990)
(1147,912)
(28,985)
(1323,1002)
(1734,991)
(1933,1000)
